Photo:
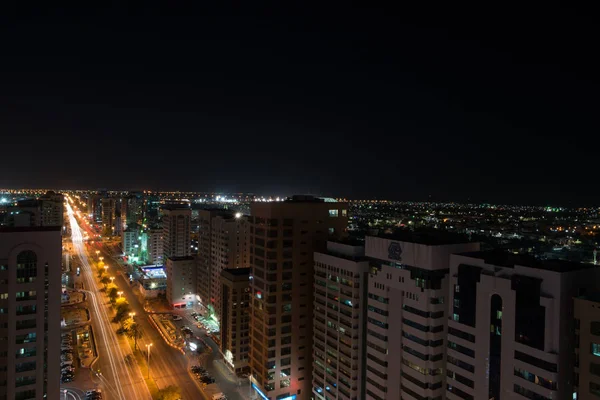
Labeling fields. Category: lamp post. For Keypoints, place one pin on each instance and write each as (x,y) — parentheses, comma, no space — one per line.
(119,293)
(105,268)
(112,279)
(100,258)
(148,346)
(97,252)
(131,315)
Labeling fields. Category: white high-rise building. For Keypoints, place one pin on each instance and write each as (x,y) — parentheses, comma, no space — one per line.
(30,293)
(511,332)
(407,314)
(340,280)
(179,263)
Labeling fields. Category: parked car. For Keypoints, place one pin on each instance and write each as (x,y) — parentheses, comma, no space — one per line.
(177,318)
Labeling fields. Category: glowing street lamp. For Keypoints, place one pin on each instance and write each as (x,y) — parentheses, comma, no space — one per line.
(100,258)
(120,293)
(112,279)
(131,315)
(105,268)
(97,252)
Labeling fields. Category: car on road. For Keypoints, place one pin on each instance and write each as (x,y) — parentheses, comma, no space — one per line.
(177,318)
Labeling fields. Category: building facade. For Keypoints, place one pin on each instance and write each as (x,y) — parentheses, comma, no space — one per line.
(30,296)
(108,216)
(512,331)
(181,281)
(587,348)
(154,246)
(223,243)
(339,324)
(235,328)
(407,314)
(284,236)
(176,226)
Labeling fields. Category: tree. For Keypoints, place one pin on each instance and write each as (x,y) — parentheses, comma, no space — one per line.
(134,332)
(122,311)
(169,393)
(105,280)
(112,294)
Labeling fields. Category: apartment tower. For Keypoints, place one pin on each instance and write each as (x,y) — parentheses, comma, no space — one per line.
(30,291)
(235,319)
(223,243)
(339,323)
(284,237)
(407,313)
(511,331)
(177,255)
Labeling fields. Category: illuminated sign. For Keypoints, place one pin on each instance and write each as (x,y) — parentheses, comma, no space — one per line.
(264,396)
(260,393)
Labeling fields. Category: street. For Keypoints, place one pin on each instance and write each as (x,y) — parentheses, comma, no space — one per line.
(118,379)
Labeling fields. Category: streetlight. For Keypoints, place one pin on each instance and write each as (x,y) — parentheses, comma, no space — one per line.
(131,315)
(100,258)
(112,279)
(97,252)
(119,293)
(148,346)
(105,268)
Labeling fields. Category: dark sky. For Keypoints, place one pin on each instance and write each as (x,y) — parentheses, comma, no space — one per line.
(496,104)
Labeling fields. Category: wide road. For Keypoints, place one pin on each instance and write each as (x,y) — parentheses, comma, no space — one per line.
(168,366)
(119,379)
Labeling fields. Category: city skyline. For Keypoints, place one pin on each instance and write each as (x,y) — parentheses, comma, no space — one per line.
(293,101)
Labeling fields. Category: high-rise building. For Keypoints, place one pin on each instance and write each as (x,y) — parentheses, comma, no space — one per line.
(181,281)
(586,347)
(339,323)
(176,230)
(30,293)
(131,241)
(179,263)
(511,331)
(154,246)
(95,207)
(51,209)
(284,236)
(132,210)
(407,314)
(222,243)
(108,216)
(45,211)
(235,319)
(229,249)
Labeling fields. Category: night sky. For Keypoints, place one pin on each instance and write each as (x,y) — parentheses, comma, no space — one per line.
(496,104)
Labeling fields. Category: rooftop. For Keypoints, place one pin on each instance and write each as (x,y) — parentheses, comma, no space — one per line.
(236,274)
(175,206)
(8,229)
(428,238)
(509,260)
(304,198)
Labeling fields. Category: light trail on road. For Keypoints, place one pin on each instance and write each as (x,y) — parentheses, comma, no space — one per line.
(114,352)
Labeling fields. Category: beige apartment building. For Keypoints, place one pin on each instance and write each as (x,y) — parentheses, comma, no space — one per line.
(284,237)
(30,293)
(235,320)
(223,243)
(341,275)
(179,263)
(587,348)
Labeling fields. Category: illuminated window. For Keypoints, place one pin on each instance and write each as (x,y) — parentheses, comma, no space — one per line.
(455,317)
(498,314)
(333,213)
(344,213)
(595,349)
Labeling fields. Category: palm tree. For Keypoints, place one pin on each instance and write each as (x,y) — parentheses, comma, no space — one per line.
(134,332)
(105,280)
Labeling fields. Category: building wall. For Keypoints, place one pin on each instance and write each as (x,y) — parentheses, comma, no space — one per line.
(407,318)
(155,246)
(181,280)
(339,322)
(108,216)
(19,322)
(587,349)
(176,232)
(228,250)
(235,336)
(284,237)
(532,345)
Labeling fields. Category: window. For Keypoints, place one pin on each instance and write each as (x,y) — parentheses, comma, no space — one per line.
(595,328)
(333,213)
(26,266)
(595,389)
(595,349)
(344,213)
